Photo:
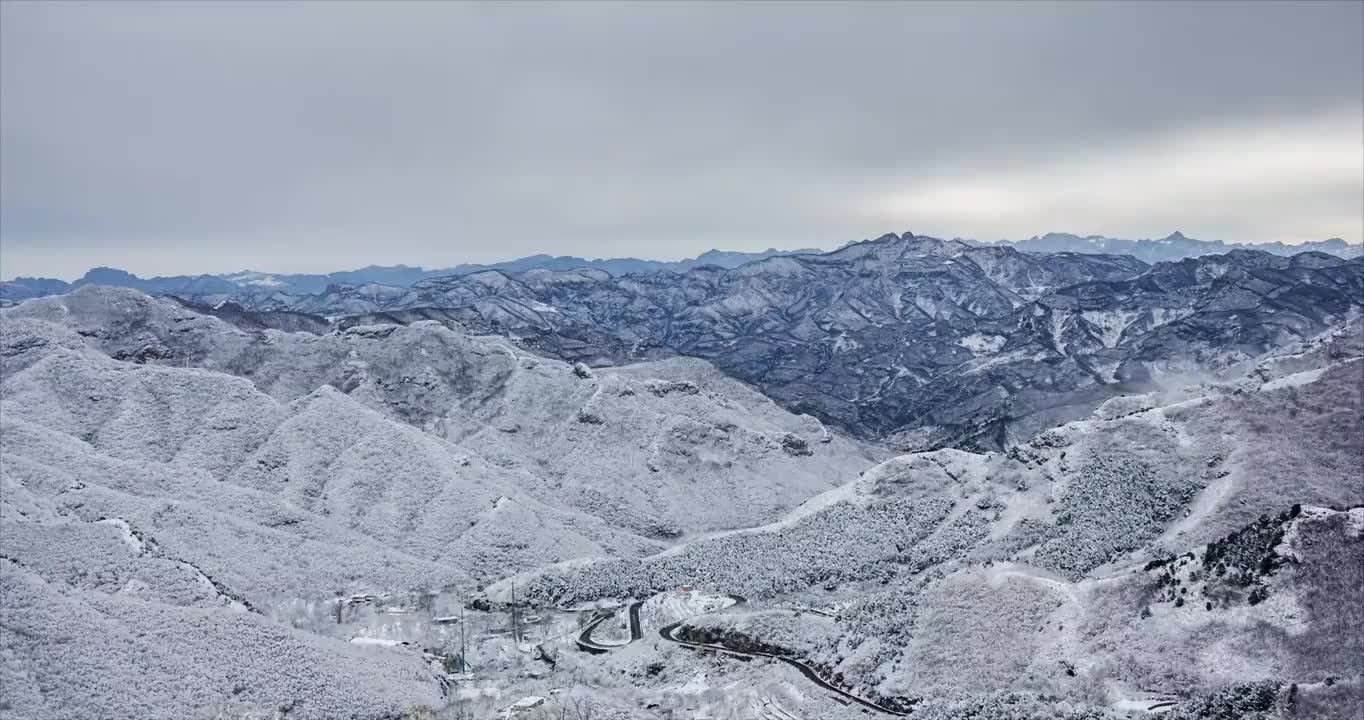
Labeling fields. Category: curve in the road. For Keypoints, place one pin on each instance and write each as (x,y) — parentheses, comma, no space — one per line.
(636,630)
(585,641)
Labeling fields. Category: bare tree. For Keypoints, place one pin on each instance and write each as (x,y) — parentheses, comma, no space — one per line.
(581,708)
(459,709)
(549,655)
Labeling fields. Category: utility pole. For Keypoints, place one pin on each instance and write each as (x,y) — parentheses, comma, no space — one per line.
(462,647)
(516,621)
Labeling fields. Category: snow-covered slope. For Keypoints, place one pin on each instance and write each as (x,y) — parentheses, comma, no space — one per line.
(658,449)
(637,456)
(1035,567)
(296,498)
(77,653)
(1146,472)
(166,475)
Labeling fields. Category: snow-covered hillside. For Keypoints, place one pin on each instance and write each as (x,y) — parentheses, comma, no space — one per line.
(660,449)
(1039,568)
(141,488)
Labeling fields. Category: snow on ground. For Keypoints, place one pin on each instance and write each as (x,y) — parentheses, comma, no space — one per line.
(615,630)
(1294,380)
(675,606)
(983,344)
(133,541)
(121,657)
(1110,324)
(381,642)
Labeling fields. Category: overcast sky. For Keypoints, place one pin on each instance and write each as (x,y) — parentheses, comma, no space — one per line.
(200,137)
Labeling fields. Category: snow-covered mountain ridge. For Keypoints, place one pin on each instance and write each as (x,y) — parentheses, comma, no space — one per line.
(1175,246)
(253,282)
(922,342)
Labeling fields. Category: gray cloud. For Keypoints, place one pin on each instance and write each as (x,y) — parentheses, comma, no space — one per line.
(209,137)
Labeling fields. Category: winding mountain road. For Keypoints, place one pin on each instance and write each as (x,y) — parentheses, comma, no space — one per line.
(667,631)
(587,644)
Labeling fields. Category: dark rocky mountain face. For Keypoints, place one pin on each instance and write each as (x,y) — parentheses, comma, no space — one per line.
(246,319)
(23,288)
(915,340)
(192,284)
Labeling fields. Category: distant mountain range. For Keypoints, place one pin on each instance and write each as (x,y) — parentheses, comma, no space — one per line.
(1175,246)
(909,339)
(23,288)
(916,340)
